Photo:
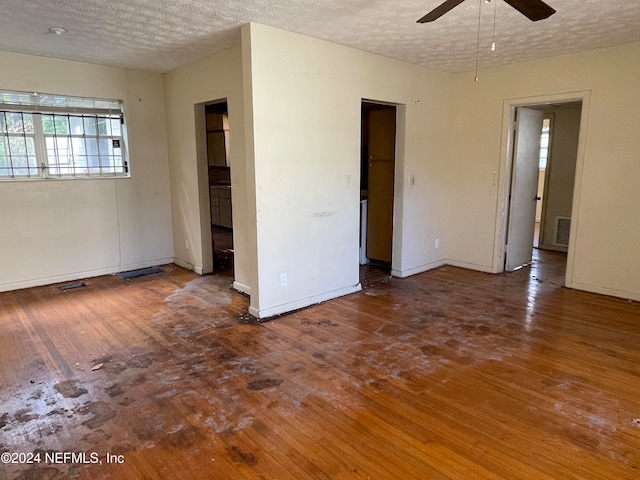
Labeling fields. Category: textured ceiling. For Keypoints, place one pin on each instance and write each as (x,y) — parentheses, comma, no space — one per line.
(159,35)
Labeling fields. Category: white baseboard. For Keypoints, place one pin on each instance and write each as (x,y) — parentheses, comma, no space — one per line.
(71,276)
(302,303)
(471,266)
(415,270)
(612,292)
(188,266)
(242,288)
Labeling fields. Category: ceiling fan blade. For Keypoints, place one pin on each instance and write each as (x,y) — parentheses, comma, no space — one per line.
(440,10)
(534,10)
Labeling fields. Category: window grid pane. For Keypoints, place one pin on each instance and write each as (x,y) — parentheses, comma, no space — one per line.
(83,145)
(39,139)
(17,147)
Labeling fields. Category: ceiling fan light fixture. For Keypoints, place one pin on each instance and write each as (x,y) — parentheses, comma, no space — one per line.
(57,30)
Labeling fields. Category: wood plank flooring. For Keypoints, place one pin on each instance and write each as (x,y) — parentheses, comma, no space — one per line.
(451,374)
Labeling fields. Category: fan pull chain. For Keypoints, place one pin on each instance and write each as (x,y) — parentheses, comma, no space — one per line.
(493,35)
(478,42)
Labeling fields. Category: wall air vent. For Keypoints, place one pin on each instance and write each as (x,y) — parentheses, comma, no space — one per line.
(142,272)
(561,234)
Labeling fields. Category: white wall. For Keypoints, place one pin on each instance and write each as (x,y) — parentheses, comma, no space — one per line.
(213,78)
(603,254)
(59,230)
(306,96)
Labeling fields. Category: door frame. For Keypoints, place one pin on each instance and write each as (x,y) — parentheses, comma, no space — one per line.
(506,168)
(398,182)
(206,237)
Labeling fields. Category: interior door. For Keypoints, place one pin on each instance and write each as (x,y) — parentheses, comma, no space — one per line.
(382,148)
(524,187)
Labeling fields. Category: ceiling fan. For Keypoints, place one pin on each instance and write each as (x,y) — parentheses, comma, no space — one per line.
(534,10)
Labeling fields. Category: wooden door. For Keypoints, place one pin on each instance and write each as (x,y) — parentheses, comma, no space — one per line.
(382,147)
(524,188)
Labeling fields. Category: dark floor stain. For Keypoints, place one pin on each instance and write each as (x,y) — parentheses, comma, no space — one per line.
(3,419)
(126,402)
(264,383)
(37,473)
(37,364)
(118,365)
(115,367)
(120,449)
(69,389)
(57,411)
(100,411)
(96,437)
(430,350)
(36,395)
(466,328)
(140,361)
(52,429)
(24,416)
(114,390)
(322,323)
(148,429)
(224,355)
(237,455)
(139,380)
(104,359)
(483,330)
(183,438)
(318,355)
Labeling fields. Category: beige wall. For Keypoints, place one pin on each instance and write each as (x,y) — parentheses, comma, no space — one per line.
(58,230)
(306,96)
(607,201)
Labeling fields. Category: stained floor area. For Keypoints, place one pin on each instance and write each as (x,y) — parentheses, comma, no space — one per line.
(450,374)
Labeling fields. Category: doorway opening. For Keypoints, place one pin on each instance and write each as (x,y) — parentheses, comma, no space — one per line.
(377,177)
(545,141)
(212,120)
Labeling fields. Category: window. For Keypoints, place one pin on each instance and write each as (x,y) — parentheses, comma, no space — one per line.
(544,142)
(53,136)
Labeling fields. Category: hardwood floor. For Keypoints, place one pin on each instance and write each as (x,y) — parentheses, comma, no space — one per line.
(451,374)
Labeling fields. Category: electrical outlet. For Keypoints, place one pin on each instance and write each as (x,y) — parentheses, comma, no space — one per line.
(186,244)
(437,243)
(283,279)
(347,181)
